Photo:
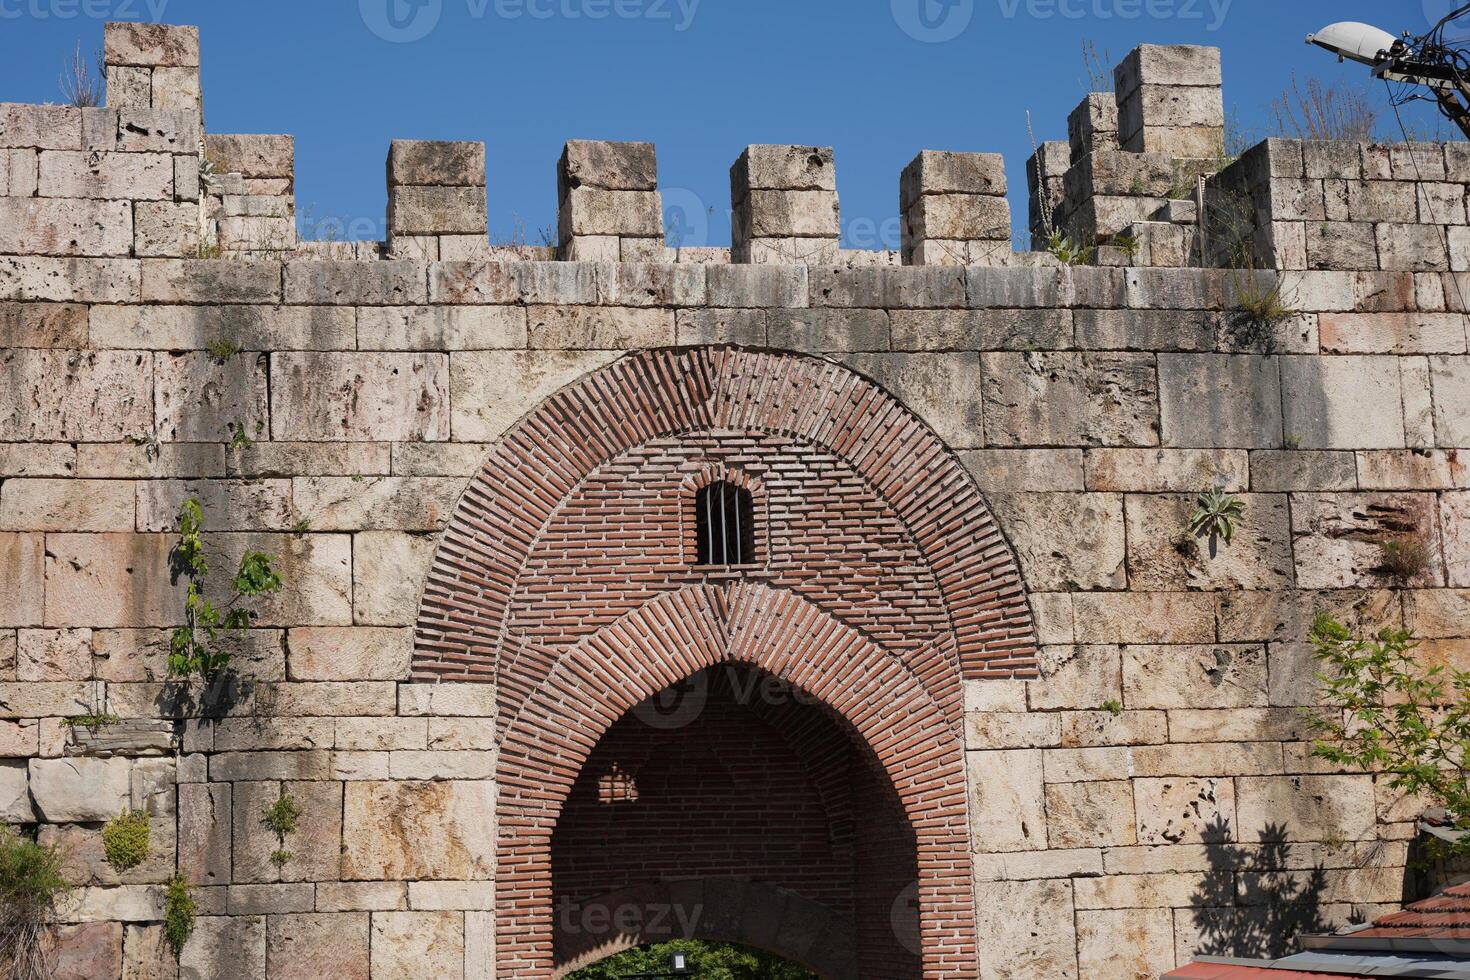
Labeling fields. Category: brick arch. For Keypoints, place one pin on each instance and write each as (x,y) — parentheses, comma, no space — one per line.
(730,910)
(677,635)
(461,628)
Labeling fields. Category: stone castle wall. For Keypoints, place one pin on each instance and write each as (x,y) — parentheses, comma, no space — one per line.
(1120,755)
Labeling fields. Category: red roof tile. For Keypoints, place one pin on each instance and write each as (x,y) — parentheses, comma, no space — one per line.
(1228,971)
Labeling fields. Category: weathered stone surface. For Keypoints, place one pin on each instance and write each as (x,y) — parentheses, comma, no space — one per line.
(356,653)
(80,790)
(406,945)
(1306,807)
(1183,811)
(42,126)
(1339,539)
(437,210)
(70,280)
(252,328)
(1275,471)
(211,281)
(491,390)
(1455,516)
(308,947)
(349,397)
(1166,470)
(1070,399)
(1451,380)
(386,283)
(204,833)
(66,505)
(1025,470)
(15,798)
(436,163)
(388,572)
(22,588)
(1094,558)
(251,155)
(89,951)
(942,389)
(1194,676)
(418,830)
(146,955)
(86,857)
(1144,617)
(1210,400)
(1033,922)
(1343,402)
(441,328)
(232,946)
(1081,677)
(1128,944)
(227,505)
(61,325)
(98,396)
(376,503)
(598,328)
(1164,556)
(54,655)
(107,176)
(151,45)
(1092,814)
(1007,805)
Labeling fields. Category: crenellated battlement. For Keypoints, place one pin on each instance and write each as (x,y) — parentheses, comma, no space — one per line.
(1142,180)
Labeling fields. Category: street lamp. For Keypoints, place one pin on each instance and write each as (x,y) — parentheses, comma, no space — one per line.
(1429,61)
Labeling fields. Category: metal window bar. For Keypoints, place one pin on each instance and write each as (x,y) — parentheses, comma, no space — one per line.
(724,515)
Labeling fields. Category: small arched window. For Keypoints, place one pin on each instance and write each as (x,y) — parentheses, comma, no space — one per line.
(724,521)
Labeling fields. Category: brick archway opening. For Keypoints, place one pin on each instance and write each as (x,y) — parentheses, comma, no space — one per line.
(880,584)
(734,807)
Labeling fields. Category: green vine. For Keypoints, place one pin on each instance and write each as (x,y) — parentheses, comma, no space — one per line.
(195,648)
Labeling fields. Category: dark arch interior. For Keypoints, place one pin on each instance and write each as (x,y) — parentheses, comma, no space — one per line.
(704,802)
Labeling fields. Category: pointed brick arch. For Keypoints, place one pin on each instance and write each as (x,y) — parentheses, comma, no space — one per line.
(461,629)
(675,636)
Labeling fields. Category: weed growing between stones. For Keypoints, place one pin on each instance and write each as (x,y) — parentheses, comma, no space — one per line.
(195,648)
(282,817)
(1215,517)
(125,840)
(178,914)
(31,885)
(1405,557)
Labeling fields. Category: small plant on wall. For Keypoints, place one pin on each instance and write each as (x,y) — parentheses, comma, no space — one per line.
(282,817)
(179,910)
(1406,557)
(196,649)
(125,840)
(1215,516)
(31,885)
(1396,717)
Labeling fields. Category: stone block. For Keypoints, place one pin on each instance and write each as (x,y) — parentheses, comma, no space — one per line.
(1076,677)
(47,226)
(996,730)
(15,798)
(150,45)
(1096,729)
(211,281)
(46,127)
(438,163)
(1070,399)
(311,946)
(407,945)
(69,280)
(1455,517)
(437,211)
(1412,247)
(1164,556)
(80,790)
(88,951)
(783,168)
(938,172)
(1161,330)
(355,653)
(908,287)
(1144,617)
(1025,470)
(1007,804)
(108,176)
(252,328)
(1194,676)
(608,166)
(60,395)
(1338,538)
(1183,811)
(199,397)
(1220,400)
(38,459)
(232,946)
(54,655)
(1092,523)
(360,397)
(1306,808)
(1450,379)
(162,229)
(252,156)
(787,214)
(591,211)
(361,896)
(1165,470)
(385,283)
(66,505)
(447,700)
(1132,943)
(598,327)
(958,216)
(1033,922)
(388,573)
(456,328)
(1091,814)
(422,830)
(736,286)
(204,833)
(48,700)
(1168,64)
(746,327)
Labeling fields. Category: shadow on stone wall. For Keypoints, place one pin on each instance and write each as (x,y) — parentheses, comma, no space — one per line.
(1248,905)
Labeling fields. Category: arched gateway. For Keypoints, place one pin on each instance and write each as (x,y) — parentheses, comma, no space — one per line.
(821,663)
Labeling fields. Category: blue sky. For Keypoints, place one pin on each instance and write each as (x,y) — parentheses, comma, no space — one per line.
(877,79)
